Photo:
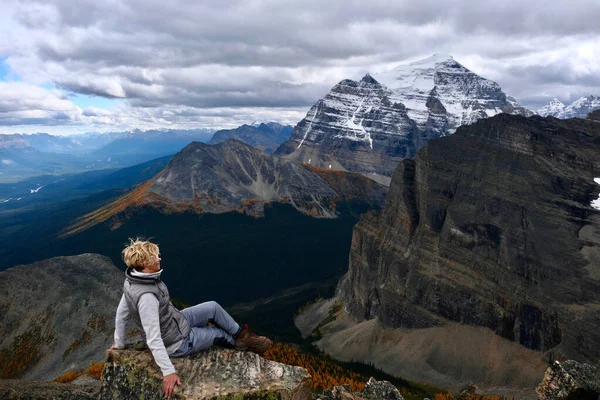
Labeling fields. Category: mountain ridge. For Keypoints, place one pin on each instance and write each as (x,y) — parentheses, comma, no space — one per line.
(233,176)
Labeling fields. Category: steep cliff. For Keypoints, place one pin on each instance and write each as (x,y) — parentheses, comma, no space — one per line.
(491,227)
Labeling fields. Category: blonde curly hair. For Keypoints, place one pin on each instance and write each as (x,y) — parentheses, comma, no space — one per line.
(140,253)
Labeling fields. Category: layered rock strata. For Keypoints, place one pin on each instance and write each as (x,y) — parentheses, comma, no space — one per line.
(491,227)
(368,126)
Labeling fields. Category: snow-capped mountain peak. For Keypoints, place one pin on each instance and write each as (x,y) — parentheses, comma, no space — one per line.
(554,108)
(580,108)
(392,114)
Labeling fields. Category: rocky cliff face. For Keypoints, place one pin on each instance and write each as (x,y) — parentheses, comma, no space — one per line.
(57,315)
(370,125)
(492,227)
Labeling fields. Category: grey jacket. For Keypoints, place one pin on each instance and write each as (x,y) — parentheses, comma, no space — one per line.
(173,325)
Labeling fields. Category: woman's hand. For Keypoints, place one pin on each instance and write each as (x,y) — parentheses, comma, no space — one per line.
(169,383)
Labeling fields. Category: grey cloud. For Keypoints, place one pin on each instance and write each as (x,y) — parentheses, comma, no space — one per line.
(264,53)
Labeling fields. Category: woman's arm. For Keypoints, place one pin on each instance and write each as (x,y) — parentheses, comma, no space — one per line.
(121,323)
(148,309)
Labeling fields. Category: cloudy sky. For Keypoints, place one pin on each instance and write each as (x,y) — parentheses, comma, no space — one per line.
(69,66)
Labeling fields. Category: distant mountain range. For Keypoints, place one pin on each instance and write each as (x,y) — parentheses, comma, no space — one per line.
(265,136)
(580,108)
(368,126)
(23,156)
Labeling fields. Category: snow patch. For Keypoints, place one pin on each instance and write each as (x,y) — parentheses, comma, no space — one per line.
(309,125)
(596,203)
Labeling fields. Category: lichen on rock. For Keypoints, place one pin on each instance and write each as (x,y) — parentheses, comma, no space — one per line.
(214,374)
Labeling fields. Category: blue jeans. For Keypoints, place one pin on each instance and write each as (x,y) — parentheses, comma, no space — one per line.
(201,337)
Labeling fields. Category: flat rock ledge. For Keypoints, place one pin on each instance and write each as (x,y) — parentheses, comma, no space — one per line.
(213,374)
(570,380)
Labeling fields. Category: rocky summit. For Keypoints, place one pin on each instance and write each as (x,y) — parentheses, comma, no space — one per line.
(496,226)
(368,126)
(57,315)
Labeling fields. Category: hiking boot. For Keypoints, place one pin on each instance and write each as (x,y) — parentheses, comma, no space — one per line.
(248,341)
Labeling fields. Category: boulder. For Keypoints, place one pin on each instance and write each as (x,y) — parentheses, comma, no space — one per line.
(570,380)
(213,374)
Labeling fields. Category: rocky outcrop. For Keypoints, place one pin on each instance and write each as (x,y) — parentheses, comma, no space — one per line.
(466,392)
(212,374)
(57,315)
(491,227)
(374,390)
(266,137)
(570,380)
(370,125)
